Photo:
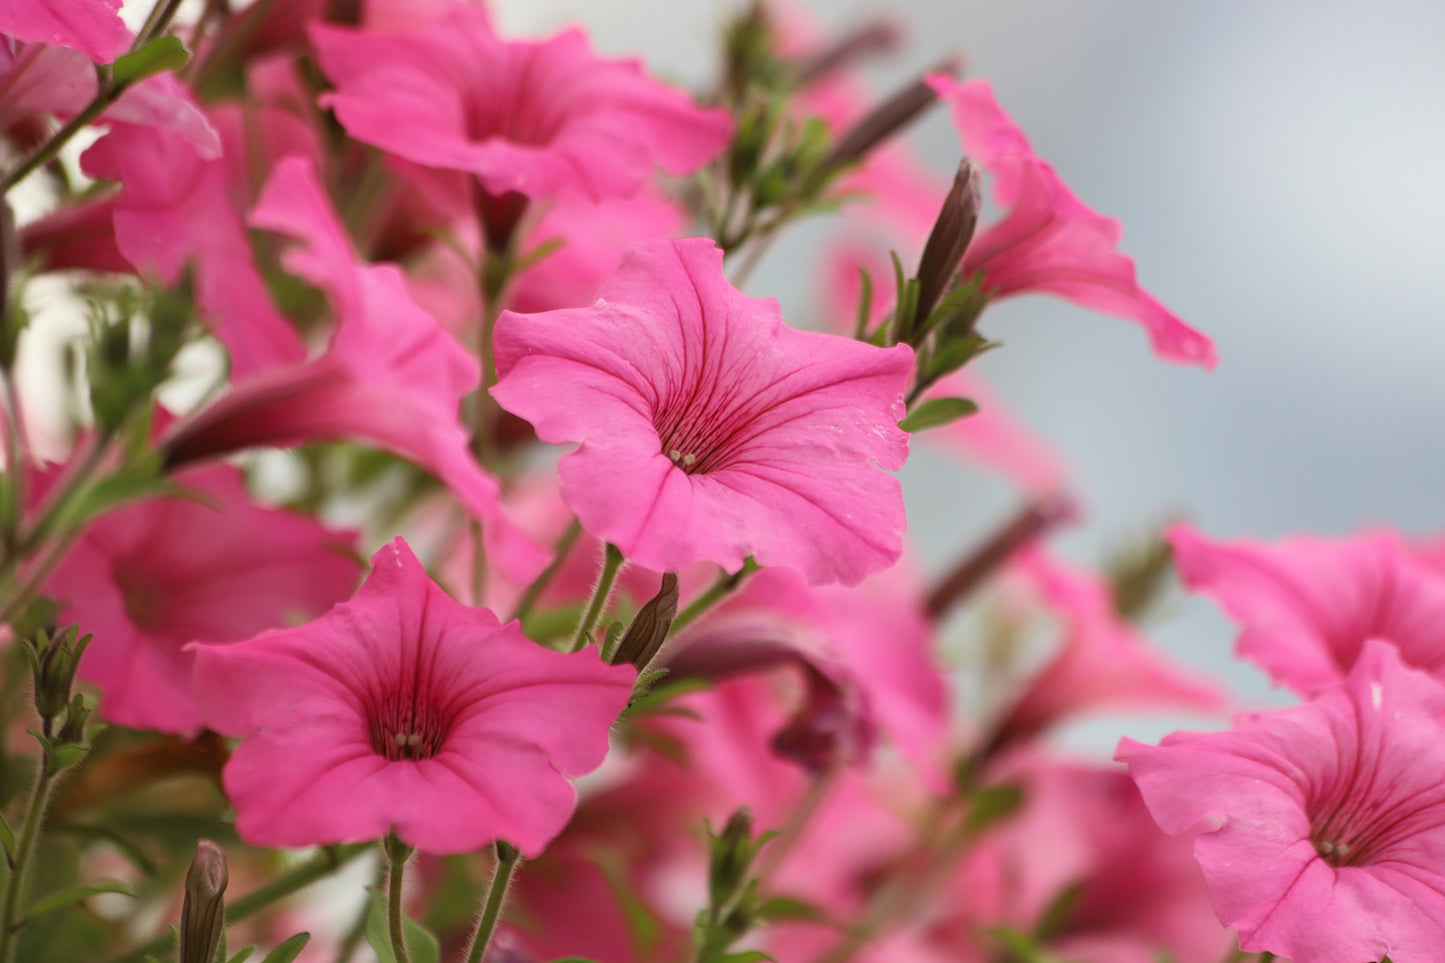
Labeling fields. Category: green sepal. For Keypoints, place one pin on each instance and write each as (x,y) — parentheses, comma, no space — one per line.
(288,950)
(994,804)
(936,412)
(243,955)
(157,57)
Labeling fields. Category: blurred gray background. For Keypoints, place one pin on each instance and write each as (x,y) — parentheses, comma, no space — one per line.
(1277,168)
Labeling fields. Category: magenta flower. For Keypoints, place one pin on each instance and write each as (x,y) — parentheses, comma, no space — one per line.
(1308,605)
(93,27)
(147,579)
(706,429)
(391,378)
(1050,241)
(403,710)
(535,118)
(1322,826)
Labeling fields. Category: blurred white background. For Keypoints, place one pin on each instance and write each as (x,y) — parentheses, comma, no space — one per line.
(1278,171)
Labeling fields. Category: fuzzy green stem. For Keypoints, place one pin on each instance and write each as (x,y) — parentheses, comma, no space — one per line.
(726,584)
(507,860)
(611,563)
(540,583)
(20,865)
(397,853)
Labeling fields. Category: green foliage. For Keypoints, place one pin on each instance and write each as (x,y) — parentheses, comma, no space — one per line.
(936,412)
(161,55)
(420,944)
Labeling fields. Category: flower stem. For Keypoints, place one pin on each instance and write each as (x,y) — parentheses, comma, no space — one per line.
(20,863)
(397,853)
(323,864)
(726,584)
(507,859)
(540,583)
(611,562)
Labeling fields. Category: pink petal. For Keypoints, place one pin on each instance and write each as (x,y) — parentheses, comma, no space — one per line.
(778,435)
(93,27)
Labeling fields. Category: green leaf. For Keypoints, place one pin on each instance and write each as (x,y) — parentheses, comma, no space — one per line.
(937,411)
(574,959)
(243,955)
(994,804)
(7,839)
(70,897)
(157,57)
(788,908)
(288,950)
(865,305)
(420,944)
(126,485)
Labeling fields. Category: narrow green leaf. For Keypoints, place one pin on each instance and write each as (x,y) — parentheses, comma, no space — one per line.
(937,411)
(288,950)
(157,57)
(865,305)
(70,897)
(419,943)
(243,955)
(126,485)
(788,908)
(747,956)
(993,805)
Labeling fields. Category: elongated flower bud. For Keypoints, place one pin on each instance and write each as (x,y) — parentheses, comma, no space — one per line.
(203,915)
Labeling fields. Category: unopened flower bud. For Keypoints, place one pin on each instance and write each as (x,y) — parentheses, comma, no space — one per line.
(644,637)
(949,238)
(52,665)
(72,733)
(203,915)
(732,854)
(877,36)
(885,120)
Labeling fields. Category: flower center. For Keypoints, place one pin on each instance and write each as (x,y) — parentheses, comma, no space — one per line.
(405,728)
(701,430)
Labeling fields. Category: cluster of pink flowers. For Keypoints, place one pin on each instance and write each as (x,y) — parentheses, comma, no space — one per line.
(435,257)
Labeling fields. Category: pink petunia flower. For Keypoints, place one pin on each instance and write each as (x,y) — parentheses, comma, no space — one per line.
(1323,825)
(706,429)
(391,378)
(403,710)
(93,27)
(1050,241)
(1308,605)
(537,118)
(144,584)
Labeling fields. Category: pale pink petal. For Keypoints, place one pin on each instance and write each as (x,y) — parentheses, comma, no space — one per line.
(1049,240)
(707,430)
(1323,826)
(93,27)
(1307,605)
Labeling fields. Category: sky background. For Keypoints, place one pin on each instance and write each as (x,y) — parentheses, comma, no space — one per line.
(1277,168)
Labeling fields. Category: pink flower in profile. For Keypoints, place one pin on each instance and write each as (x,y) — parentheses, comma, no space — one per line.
(147,579)
(1050,241)
(403,710)
(1308,605)
(93,27)
(391,378)
(706,429)
(1322,827)
(537,118)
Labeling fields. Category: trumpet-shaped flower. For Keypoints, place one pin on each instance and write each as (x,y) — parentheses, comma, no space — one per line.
(1323,825)
(403,710)
(143,583)
(1308,605)
(706,429)
(1050,241)
(537,118)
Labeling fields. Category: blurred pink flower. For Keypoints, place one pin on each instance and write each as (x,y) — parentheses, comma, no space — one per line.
(93,27)
(1050,241)
(1101,663)
(537,118)
(1323,825)
(403,710)
(213,567)
(391,378)
(707,429)
(1307,605)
